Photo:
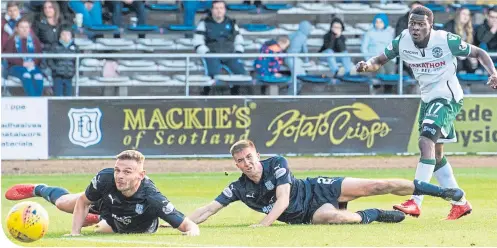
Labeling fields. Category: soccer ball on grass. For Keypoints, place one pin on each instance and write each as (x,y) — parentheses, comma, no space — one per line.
(27,221)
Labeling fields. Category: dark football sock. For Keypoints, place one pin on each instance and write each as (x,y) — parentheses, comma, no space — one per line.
(424,188)
(51,194)
(369,215)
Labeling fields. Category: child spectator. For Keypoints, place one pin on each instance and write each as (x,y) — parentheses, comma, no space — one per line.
(374,42)
(25,69)
(9,21)
(298,44)
(63,70)
(334,42)
(270,66)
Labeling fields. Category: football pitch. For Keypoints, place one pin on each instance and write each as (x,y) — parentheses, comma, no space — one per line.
(230,227)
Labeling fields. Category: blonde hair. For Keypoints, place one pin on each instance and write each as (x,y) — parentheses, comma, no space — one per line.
(240,145)
(467,28)
(131,155)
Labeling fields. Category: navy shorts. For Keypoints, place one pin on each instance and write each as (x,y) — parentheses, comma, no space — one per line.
(324,190)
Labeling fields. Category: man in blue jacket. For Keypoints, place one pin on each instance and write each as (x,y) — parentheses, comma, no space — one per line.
(218,33)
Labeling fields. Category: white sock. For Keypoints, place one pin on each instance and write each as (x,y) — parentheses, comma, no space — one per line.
(446,179)
(424,172)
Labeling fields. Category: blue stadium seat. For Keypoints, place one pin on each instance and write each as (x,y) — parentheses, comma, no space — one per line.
(393,79)
(163,7)
(319,79)
(181,27)
(104,27)
(435,7)
(240,7)
(257,27)
(438,26)
(473,78)
(472,7)
(145,28)
(356,79)
(274,80)
(277,6)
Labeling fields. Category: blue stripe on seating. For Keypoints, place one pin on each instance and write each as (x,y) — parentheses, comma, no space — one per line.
(163,7)
(241,7)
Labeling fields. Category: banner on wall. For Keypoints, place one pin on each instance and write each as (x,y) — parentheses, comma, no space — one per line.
(24,128)
(476,128)
(189,127)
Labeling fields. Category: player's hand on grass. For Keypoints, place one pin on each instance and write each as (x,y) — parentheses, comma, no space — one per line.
(492,81)
(73,235)
(362,66)
(194,232)
(257,225)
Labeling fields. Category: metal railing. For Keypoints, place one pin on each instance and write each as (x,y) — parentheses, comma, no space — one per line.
(189,56)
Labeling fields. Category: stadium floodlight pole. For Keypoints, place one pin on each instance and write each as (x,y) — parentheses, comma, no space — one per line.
(401,81)
(77,75)
(187,76)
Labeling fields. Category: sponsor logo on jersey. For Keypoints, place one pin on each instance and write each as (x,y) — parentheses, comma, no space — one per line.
(227,192)
(269,185)
(437,52)
(410,52)
(169,208)
(280,172)
(251,195)
(428,65)
(268,208)
(139,209)
(390,47)
(126,220)
(463,46)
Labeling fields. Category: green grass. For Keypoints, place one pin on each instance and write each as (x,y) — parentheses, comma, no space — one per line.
(230,226)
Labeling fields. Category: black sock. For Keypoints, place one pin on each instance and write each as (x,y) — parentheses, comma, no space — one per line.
(424,188)
(51,194)
(369,215)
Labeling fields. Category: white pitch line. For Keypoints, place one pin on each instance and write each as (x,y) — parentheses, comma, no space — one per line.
(142,242)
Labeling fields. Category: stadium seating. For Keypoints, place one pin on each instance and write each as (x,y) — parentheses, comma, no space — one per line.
(282,18)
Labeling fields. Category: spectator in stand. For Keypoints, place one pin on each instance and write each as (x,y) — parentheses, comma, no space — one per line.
(37,7)
(91,10)
(190,9)
(486,37)
(334,42)
(403,21)
(298,44)
(48,23)
(402,24)
(463,26)
(374,42)
(64,69)
(218,33)
(25,69)
(117,12)
(9,21)
(270,66)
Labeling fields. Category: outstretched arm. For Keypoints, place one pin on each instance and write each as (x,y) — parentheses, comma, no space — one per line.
(281,204)
(81,209)
(202,214)
(487,62)
(373,64)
